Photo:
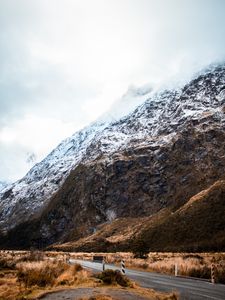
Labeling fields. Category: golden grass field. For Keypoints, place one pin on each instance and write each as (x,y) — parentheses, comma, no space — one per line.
(28,275)
(189,264)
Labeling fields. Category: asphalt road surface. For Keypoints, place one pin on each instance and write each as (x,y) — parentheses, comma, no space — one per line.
(189,289)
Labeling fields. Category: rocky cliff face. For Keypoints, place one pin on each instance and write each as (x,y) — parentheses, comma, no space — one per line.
(196,226)
(167,150)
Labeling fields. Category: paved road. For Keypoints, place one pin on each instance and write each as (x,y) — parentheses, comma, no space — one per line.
(189,289)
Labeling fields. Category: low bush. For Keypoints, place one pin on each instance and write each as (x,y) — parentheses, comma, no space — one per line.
(6,263)
(114,277)
(220,273)
(75,274)
(204,272)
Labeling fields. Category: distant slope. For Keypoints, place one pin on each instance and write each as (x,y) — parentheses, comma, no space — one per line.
(199,225)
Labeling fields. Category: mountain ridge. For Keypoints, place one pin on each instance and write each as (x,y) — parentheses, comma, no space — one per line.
(140,164)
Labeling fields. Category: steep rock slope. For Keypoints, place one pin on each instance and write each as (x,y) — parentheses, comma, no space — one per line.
(167,150)
(198,225)
(27,197)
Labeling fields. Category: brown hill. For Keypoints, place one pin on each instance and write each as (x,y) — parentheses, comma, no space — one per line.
(198,225)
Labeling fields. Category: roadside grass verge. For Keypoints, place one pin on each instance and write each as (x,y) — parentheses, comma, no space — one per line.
(189,264)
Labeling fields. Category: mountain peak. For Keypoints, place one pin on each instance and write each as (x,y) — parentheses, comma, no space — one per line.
(161,153)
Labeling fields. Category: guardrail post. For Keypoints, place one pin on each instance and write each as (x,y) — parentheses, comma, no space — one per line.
(176,269)
(213,273)
(103,265)
(123,267)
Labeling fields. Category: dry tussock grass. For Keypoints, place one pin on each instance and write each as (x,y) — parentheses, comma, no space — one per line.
(70,277)
(9,287)
(42,273)
(28,277)
(189,264)
(114,277)
(29,274)
(22,272)
(51,273)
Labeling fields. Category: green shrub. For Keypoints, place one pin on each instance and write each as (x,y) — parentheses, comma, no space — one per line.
(140,249)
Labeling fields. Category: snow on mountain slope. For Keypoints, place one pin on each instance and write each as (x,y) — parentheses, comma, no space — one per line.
(37,186)
(155,122)
(161,116)
(3,185)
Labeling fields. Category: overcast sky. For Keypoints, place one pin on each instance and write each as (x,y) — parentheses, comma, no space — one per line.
(64,62)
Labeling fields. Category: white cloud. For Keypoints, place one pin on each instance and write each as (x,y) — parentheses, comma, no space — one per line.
(63,63)
(31,135)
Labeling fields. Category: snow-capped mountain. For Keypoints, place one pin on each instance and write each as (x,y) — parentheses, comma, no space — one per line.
(36,187)
(145,135)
